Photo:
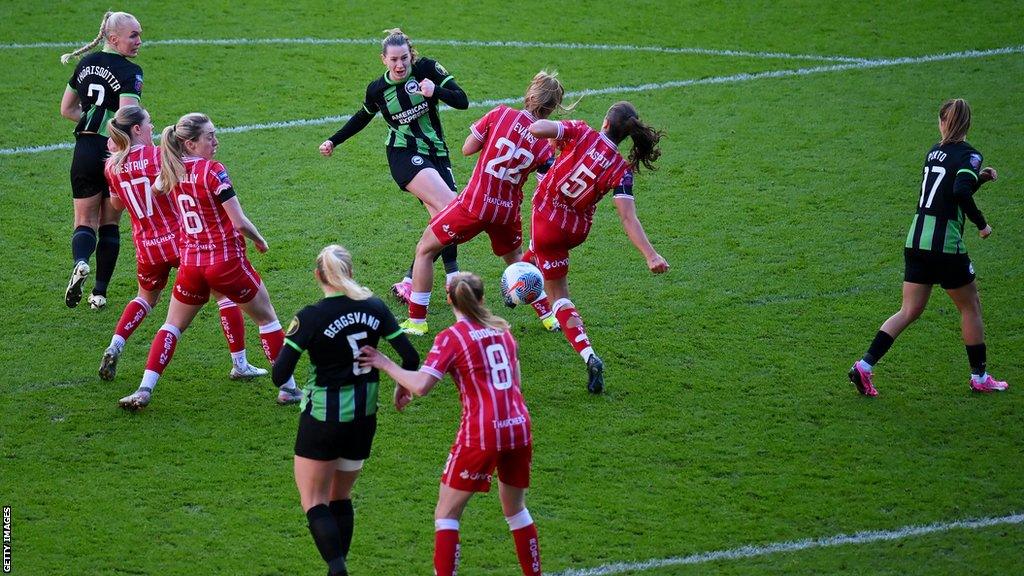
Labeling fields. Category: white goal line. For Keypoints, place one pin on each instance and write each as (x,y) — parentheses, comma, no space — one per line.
(795,546)
(734,78)
(457,44)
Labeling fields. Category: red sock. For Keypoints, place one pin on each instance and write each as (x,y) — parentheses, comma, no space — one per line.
(576,335)
(542,306)
(446,547)
(162,350)
(273,339)
(133,315)
(528,549)
(530,257)
(417,311)
(233,324)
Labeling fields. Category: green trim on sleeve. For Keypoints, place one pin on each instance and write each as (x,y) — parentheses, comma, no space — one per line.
(366,110)
(68,88)
(130,95)
(969,171)
(445,81)
(293,345)
(393,336)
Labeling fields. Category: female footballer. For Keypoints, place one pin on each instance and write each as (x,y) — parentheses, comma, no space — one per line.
(212,250)
(131,172)
(563,208)
(492,199)
(481,355)
(935,253)
(101,83)
(339,409)
(407,96)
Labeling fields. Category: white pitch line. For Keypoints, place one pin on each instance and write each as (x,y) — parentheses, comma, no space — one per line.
(752,551)
(734,78)
(458,43)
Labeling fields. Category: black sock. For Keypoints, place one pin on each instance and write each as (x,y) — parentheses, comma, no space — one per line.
(344,517)
(879,346)
(977,356)
(83,244)
(107,249)
(325,535)
(450,255)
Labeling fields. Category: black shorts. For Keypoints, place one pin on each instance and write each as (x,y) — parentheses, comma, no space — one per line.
(951,271)
(406,163)
(320,440)
(87,179)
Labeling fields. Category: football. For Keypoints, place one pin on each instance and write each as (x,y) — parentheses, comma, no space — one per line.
(521,283)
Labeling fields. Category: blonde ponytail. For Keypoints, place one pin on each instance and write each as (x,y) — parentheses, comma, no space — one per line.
(111,21)
(172,149)
(334,264)
(119,129)
(65,58)
(466,292)
(395,37)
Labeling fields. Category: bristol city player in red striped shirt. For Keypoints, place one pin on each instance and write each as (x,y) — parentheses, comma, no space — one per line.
(588,167)
(481,356)
(491,201)
(130,173)
(213,258)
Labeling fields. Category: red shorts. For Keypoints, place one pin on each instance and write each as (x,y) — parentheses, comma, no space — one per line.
(153,277)
(551,245)
(456,225)
(235,279)
(471,469)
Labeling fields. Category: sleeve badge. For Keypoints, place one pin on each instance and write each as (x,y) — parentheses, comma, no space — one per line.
(138,83)
(975,161)
(293,328)
(440,69)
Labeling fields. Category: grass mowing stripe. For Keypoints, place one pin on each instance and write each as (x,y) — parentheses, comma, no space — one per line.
(733,78)
(865,537)
(459,43)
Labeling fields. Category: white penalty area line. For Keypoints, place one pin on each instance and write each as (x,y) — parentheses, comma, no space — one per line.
(734,78)
(458,44)
(795,546)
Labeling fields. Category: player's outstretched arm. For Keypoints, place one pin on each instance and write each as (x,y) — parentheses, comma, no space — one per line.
(635,231)
(418,383)
(242,223)
(544,129)
(355,123)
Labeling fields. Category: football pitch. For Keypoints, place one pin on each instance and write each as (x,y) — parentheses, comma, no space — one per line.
(729,440)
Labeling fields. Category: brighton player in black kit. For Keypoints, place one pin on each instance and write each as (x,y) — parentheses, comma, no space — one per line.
(339,405)
(102,82)
(935,251)
(407,96)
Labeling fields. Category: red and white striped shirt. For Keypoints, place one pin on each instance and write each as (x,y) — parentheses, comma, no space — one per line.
(587,168)
(207,234)
(153,215)
(509,154)
(484,364)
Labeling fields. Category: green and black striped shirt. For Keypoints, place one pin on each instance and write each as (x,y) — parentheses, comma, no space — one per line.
(412,120)
(951,176)
(332,331)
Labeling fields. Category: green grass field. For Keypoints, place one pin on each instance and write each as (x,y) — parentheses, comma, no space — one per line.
(781,202)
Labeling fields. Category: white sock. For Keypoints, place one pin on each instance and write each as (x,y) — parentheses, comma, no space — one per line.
(289,385)
(864,365)
(149,379)
(117,342)
(586,353)
(239,359)
(422,298)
